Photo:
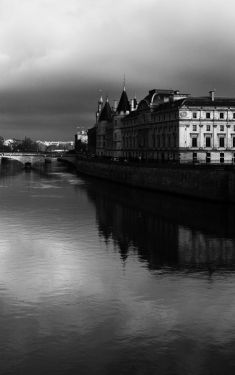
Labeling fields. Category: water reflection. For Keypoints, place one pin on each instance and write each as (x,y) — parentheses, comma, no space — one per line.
(94,279)
(164,230)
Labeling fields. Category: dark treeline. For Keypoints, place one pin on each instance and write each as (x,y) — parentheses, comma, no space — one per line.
(26,145)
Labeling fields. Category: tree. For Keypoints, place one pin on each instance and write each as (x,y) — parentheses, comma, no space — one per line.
(3,147)
(28,145)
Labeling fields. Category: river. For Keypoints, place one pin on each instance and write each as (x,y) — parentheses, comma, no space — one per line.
(97,278)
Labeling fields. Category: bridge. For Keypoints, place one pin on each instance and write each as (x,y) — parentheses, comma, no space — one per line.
(27,159)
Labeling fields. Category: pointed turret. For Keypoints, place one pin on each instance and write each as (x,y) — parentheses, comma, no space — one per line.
(106,113)
(100,105)
(123,105)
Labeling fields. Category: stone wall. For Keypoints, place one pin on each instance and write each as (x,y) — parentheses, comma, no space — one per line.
(201,182)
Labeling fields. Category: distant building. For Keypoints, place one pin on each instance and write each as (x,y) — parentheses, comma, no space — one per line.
(167,125)
(55,146)
(81,140)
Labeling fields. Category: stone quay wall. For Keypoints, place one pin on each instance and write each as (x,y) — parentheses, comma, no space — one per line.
(211,183)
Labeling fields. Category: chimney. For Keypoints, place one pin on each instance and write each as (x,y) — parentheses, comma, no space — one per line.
(212,95)
(132,105)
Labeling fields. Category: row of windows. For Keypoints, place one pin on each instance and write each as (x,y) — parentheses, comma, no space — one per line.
(209,115)
(209,127)
(196,115)
(155,118)
(171,129)
(208,157)
(165,116)
(157,141)
(168,116)
(172,156)
(208,142)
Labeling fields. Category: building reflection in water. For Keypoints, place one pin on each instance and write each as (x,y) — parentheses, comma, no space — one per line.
(165,231)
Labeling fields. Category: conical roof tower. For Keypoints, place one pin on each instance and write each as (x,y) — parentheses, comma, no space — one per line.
(123,105)
(106,113)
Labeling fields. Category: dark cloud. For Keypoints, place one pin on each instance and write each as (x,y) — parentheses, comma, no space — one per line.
(55,55)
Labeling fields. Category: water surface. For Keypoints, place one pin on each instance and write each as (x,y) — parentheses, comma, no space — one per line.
(96,278)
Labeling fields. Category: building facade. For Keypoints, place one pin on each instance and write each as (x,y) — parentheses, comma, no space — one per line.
(168,126)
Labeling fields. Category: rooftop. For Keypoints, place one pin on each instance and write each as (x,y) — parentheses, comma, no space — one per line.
(106,113)
(208,102)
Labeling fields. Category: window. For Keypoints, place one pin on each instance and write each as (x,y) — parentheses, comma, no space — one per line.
(195,114)
(194,128)
(221,157)
(234,128)
(194,142)
(208,141)
(221,142)
(208,157)
(234,158)
(208,128)
(221,115)
(221,128)
(208,115)
(158,141)
(194,157)
(234,115)
(233,141)
(169,140)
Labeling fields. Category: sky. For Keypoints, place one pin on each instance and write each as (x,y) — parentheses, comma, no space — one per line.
(56,56)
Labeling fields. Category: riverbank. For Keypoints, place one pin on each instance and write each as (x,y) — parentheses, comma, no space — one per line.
(211,183)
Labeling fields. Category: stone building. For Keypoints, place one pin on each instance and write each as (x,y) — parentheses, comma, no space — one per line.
(104,120)
(207,129)
(151,131)
(109,125)
(168,126)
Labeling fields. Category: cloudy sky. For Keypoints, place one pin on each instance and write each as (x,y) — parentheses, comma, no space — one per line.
(55,56)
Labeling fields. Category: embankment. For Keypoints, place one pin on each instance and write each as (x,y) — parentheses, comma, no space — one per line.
(213,183)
